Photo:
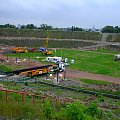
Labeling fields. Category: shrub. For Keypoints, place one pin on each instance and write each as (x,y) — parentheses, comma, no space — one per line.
(93,111)
(48,110)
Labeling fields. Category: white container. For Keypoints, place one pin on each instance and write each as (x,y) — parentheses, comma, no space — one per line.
(66,60)
(72,61)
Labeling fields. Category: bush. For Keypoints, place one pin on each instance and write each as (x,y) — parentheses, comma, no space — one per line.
(93,111)
(74,111)
(48,110)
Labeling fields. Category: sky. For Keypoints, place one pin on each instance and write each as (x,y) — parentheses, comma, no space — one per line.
(61,13)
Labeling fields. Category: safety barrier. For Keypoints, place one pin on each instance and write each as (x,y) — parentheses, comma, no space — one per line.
(43,97)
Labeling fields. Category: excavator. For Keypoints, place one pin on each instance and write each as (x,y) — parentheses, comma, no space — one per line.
(46,51)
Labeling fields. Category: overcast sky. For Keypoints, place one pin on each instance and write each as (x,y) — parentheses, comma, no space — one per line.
(61,13)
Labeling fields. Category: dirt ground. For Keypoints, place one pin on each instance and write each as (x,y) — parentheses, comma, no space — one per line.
(80,74)
(69,72)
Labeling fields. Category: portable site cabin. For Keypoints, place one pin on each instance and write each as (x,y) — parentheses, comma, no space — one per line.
(54,59)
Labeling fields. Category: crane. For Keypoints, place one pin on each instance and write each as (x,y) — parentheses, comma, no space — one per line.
(46,51)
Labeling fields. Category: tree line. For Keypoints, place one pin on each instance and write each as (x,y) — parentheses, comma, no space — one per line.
(111,29)
(106,29)
(42,26)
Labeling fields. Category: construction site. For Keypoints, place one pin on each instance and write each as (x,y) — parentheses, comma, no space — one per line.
(57,69)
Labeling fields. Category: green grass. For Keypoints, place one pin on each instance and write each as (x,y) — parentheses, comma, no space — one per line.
(52,34)
(96,82)
(16,110)
(106,51)
(5,68)
(93,62)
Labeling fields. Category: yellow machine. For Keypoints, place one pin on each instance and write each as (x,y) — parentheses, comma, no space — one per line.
(46,51)
(19,50)
(37,72)
(40,70)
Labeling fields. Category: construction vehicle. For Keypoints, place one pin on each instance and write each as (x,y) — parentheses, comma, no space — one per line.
(40,70)
(19,50)
(46,51)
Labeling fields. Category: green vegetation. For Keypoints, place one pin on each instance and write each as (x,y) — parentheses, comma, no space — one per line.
(33,42)
(109,38)
(96,82)
(93,62)
(89,61)
(111,29)
(103,50)
(47,110)
(5,68)
(52,34)
(117,38)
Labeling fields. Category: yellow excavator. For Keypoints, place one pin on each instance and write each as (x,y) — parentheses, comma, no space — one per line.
(46,51)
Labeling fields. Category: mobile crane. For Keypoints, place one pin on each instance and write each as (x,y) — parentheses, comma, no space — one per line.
(40,70)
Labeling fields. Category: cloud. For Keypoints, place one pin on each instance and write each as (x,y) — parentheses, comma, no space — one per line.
(64,13)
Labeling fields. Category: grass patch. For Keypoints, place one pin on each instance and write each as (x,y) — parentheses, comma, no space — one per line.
(5,68)
(96,82)
(106,51)
(16,110)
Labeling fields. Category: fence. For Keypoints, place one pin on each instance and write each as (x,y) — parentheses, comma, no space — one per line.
(54,98)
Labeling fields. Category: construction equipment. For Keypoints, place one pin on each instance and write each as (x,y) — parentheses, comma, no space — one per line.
(40,70)
(19,50)
(46,51)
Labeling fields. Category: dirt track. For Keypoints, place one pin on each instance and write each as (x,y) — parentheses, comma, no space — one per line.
(80,74)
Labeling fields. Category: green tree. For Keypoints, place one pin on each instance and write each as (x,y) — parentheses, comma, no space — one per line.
(108,29)
(75,111)
(30,26)
(45,27)
(48,110)
(117,29)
